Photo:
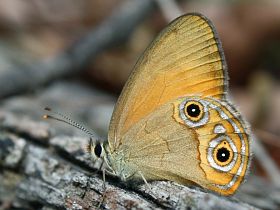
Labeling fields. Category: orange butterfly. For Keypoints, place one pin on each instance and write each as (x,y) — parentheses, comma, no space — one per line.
(173,120)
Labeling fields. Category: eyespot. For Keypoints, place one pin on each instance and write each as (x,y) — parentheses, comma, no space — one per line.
(194,112)
(222,153)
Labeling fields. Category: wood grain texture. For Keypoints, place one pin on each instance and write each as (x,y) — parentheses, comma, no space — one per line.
(59,175)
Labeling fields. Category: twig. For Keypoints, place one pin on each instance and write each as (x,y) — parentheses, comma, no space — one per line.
(114,30)
(61,176)
(267,163)
(170,9)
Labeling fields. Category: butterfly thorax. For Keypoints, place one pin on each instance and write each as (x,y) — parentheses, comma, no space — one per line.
(117,162)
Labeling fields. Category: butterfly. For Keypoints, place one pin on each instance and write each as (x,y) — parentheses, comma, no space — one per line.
(173,120)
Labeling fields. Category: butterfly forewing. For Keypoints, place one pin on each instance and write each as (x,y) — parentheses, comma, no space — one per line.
(185,59)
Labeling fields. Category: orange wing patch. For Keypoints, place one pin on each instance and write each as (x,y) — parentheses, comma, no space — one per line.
(185,59)
(224,150)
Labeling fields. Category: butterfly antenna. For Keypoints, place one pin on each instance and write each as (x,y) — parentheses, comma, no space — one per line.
(67,120)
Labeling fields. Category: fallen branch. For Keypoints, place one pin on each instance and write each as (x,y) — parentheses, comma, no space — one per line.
(60,175)
(114,30)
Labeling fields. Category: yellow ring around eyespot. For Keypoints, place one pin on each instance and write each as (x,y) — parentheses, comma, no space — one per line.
(223,144)
(201,109)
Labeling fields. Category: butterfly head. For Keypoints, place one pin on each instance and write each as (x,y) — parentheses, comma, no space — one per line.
(96,149)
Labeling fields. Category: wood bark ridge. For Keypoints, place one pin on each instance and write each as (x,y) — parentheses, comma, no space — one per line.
(43,172)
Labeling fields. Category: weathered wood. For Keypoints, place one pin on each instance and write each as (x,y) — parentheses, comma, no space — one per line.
(60,175)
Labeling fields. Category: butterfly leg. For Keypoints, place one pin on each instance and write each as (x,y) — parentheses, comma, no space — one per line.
(104,188)
(104,170)
(147,184)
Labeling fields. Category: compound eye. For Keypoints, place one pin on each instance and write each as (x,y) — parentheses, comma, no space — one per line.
(194,111)
(98,150)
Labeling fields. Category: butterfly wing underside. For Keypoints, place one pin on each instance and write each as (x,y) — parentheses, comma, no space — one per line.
(185,59)
(211,151)
(183,66)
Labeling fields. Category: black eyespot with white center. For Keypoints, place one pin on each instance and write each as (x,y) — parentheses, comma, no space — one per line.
(223,154)
(193,110)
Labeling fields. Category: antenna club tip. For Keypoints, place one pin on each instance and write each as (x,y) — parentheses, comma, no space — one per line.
(47,109)
(45,116)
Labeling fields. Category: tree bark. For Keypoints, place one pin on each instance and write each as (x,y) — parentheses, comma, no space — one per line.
(43,172)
